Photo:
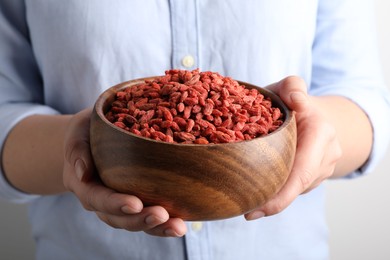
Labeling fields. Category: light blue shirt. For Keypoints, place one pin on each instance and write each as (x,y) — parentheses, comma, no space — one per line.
(58,56)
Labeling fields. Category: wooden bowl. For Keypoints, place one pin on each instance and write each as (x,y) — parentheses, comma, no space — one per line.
(193,181)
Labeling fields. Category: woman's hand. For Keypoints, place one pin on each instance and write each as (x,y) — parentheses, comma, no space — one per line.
(116,209)
(318,148)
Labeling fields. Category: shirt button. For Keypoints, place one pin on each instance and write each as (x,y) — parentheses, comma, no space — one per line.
(188,61)
(196,226)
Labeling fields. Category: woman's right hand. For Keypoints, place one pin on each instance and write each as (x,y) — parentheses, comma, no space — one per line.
(116,209)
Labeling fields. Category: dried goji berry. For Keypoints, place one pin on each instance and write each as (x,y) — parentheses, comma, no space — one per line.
(194,107)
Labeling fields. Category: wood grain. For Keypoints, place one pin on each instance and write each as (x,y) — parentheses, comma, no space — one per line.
(193,182)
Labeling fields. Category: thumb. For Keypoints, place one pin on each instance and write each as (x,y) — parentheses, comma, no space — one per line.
(77,149)
(293,92)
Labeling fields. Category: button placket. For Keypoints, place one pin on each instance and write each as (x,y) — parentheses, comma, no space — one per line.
(196,226)
(185,40)
(198,243)
(188,61)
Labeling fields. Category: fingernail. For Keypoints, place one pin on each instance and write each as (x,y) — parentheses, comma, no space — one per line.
(255,215)
(170,232)
(128,210)
(79,168)
(153,220)
(298,97)
(131,210)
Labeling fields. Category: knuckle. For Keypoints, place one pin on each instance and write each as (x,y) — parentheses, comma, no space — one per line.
(294,81)
(134,223)
(329,173)
(305,179)
(73,150)
(107,202)
(88,202)
(106,219)
(65,181)
(311,188)
(331,130)
(274,208)
(69,150)
(338,152)
(67,185)
(87,205)
(156,232)
(130,226)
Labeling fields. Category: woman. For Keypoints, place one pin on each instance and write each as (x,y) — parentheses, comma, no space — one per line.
(57,57)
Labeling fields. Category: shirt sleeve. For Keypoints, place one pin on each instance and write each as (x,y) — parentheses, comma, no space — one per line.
(21,91)
(346,63)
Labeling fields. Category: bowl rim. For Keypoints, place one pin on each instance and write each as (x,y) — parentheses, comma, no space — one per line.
(109,92)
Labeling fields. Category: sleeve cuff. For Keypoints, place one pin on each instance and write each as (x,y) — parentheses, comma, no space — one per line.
(375,103)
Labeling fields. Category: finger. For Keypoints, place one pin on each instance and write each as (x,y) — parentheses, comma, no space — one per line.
(282,200)
(289,192)
(293,92)
(328,164)
(94,196)
(97,197)
(305,171)
(149,218)
(174,227)
(77,148)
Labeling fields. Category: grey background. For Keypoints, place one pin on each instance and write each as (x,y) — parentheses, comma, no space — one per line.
(358,210)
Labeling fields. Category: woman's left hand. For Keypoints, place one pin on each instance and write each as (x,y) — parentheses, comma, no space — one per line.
(318,149)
